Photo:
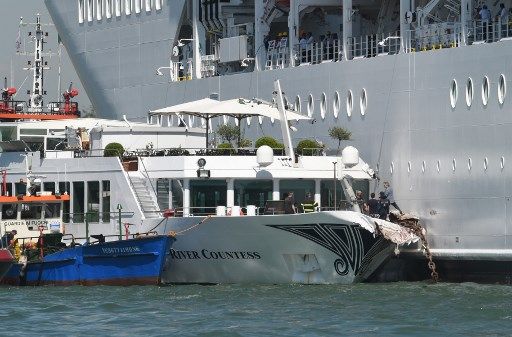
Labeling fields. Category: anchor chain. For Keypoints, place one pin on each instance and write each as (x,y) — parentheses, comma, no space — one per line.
(413,224)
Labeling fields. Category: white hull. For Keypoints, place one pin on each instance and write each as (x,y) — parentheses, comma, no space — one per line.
(321,248)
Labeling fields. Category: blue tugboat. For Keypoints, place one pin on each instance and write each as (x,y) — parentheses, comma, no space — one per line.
(137,261)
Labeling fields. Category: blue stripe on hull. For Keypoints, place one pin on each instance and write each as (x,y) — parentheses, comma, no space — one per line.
(137,261)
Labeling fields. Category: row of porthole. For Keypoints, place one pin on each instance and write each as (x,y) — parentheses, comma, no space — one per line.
(454,165)
(336,104)
(502,91)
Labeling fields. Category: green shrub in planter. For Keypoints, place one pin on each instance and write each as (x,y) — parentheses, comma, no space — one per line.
(114,150)
(308,147)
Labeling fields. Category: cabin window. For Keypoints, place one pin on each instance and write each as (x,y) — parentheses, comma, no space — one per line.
(158,5)
(93,201)
(31,211)
(138,6)
(7,133)
(206,195)
(148,5)
(105,195)
(64,188)
(485,90)
(336,104)
(81,11)
(20,188)
(323,105)
(299,187)
(311,105)
(252,192)
(52,211)
(327,195)
(350,103)
(454,93)
(363,102)
(49,187)
(502,89)
(9,212)
(78,196)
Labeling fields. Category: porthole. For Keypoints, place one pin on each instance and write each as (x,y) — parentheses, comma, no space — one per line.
(409,167)
(249,119)
(470,164)
(469,92)
(454,164)
(486,163)
(438,166)
(391,167)
(260,120)
(336,104)
(485,90)
(454,93)
(298,105)
(502,89)
(423,166)
(350,103)
(311,105)
(272,120)
(502,162)
(363,102)
(323,105)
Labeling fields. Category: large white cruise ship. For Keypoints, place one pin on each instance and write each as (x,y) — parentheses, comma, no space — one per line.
(422,86)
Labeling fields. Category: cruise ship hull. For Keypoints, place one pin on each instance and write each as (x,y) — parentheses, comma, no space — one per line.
(430,124)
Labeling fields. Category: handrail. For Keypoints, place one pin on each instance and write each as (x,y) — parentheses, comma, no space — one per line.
(147,175)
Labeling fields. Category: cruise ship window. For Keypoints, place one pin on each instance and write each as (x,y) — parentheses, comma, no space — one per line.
(128,7)
(158,5)
(327,194)
(108,9)
(206,195)
(248,121)
(350,103)
(485,90)
(78,196)
(99,10)
(81,11)
(137,6)
(502,89)
(64,187)
(469,92)
(105,195)
(118,8)
(363,102)
(299,187)
(298,105)
(311,105)
(148,5)
(454,93)
(336,104)
(323,105)
(20,188)
(93,200)
(89,10)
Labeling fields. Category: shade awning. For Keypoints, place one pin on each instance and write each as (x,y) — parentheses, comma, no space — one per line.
(237,108)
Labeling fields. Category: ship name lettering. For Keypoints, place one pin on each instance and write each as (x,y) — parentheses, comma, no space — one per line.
(117,250)
(213,255)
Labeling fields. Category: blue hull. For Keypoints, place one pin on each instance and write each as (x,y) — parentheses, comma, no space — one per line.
(128,262)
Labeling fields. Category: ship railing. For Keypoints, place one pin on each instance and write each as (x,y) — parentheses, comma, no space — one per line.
(278,54)
(12,106)
(434,37)
(173,152)
(487,31)
(318,52)
(373,45)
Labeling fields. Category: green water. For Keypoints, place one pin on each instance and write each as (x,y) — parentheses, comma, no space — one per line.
(392,309)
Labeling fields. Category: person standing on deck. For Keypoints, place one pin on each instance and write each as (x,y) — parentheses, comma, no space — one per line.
(388,191)
(289,204)
(373,206)
(383,206)
(309,205)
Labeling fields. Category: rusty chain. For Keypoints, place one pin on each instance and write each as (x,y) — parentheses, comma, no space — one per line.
(413,224)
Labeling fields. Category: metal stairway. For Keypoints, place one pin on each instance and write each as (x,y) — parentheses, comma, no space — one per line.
(145,197)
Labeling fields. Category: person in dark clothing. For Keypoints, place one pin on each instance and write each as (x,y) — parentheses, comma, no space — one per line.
(8,237)
(373,206)
(361,202)
(289,204)
(309,205)
(383,206)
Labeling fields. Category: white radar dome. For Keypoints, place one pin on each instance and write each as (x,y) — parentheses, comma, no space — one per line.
(264,155)
(350,156)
